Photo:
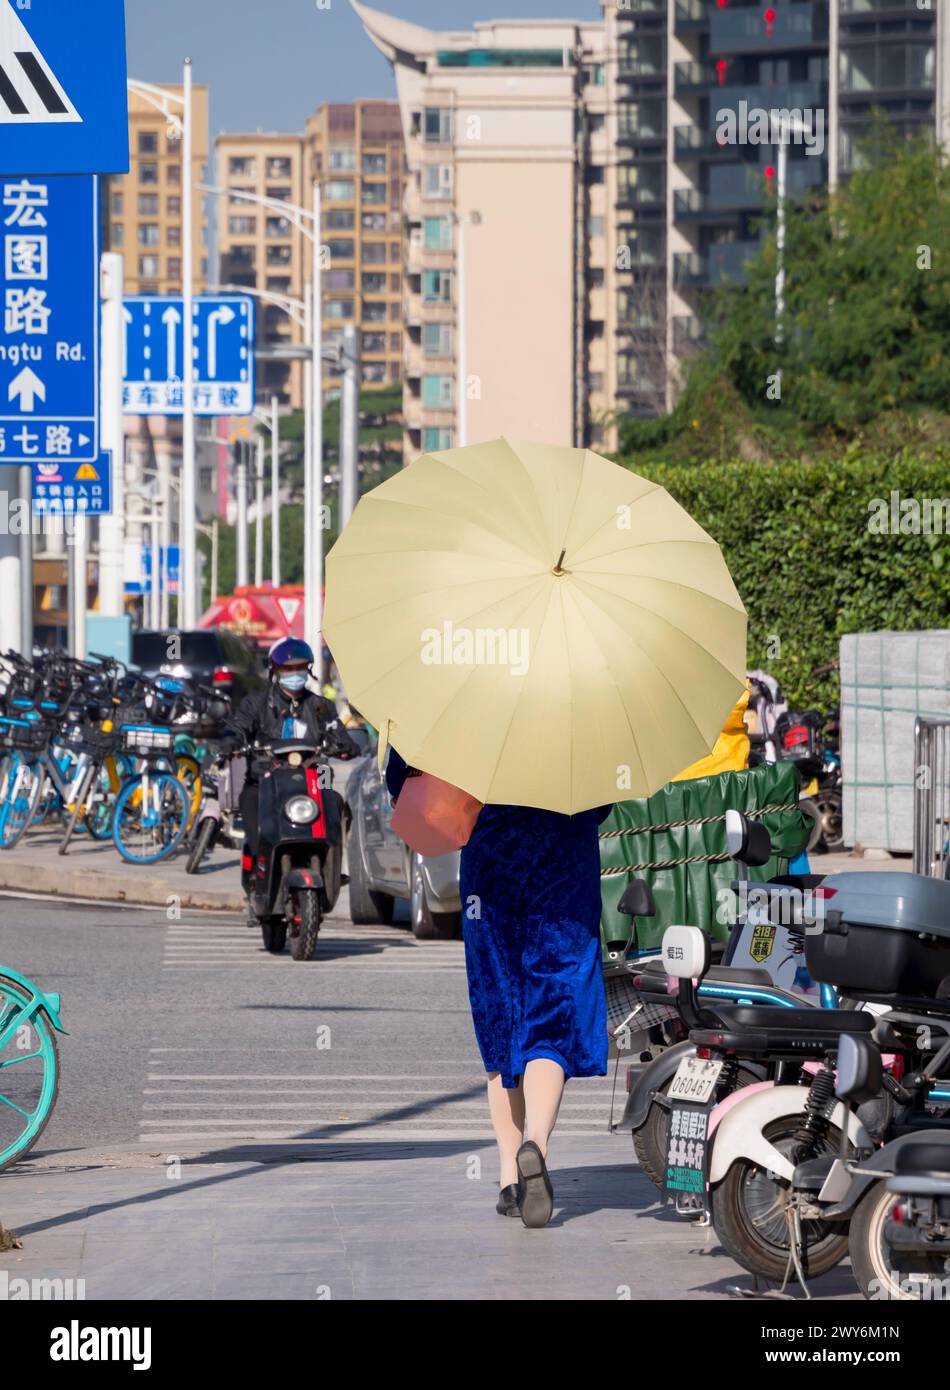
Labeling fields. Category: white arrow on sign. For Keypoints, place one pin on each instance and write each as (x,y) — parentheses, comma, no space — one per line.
(222,315)
(28,387)
(30,91)
(171,319)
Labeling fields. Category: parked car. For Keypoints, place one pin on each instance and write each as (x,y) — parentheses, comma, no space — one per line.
(211,657)
(382,868)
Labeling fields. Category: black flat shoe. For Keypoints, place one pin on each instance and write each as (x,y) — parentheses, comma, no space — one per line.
(536,1195)
(507,1204)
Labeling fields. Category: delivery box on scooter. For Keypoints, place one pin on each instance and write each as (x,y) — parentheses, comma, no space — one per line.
(882,934)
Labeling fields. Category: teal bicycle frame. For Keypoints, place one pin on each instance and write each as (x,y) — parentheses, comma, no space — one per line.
(27,1003)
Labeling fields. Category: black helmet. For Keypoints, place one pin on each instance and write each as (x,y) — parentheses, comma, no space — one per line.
(289,650)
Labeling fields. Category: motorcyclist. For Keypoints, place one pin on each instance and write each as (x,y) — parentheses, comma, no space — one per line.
(286,709)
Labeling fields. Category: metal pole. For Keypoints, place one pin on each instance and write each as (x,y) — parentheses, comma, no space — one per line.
(461,412)
(26,562)
(112,528)
(313,512)
(780,232)
(259,507)
(78,580)
(241,500)
(157,586)
(275,493)
(165,505)
(214,558)
(350,424)
(188,600)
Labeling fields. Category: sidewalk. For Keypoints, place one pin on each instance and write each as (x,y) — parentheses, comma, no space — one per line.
(365,1220)
(96,871)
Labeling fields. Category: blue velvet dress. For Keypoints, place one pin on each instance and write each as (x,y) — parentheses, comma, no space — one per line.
(530,890)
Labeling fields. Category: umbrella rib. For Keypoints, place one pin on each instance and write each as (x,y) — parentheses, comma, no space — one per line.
(583,577)
(613,521)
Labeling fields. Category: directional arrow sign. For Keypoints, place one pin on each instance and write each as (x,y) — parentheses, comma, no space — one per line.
(63,86)
(223,347)
(49,311)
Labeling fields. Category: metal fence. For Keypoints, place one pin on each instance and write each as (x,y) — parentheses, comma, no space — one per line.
(932,797)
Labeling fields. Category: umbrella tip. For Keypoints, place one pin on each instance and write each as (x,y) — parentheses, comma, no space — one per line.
(557,568)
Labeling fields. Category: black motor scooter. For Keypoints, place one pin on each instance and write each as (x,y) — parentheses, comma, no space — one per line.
(295,875)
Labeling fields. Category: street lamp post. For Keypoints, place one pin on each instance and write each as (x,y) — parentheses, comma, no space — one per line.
(275,493)
(469,219)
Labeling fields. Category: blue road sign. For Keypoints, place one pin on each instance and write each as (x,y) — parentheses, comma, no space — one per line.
(223,347)
(49,302)
(170,570)
(67,486)
(63,99)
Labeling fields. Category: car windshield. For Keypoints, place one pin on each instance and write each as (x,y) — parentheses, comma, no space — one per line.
(152,650)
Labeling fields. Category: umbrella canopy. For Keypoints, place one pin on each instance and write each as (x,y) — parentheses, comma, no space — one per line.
(538,625)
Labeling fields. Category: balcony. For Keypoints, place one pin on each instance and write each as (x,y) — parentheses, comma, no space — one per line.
(691,142)
(691,16)
(689,335)
(643,197)
(781,96)
(642,68)
(727,260)
(693,77)
(746,31)
(689,268)
(641,133)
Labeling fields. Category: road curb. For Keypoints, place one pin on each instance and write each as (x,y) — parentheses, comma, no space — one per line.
(63,881)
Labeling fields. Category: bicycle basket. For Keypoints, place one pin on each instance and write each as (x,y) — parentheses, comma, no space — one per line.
(147,738)
(28,737)
(627,1007)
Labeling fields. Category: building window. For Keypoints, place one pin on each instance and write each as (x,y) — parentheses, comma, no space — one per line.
(241,257)
(595,226)
(279,283)
(173,174)
(174,268)
(339,191)
(339,279)
(173,236)
(436,286)
(395,252)
(437,392)
(278,227)
(173,205)
(279,167)
(149,265)
(437,233)
(148,205)
(278,255)
(236,196)
(342,158)
(280,192)
(437,339)
(374,311)
(395,312)
(395,283)
(118,203)
(148,173)
(395,342)
(374,221)
(374,193)
(437,181)
(242,226)
(594,174)
(338,308)
(242,167)
(374,164)
(339,220)
(595,279)
(148,142)
(374,252)
(149,234)
(374,342)
(436,439)
(340,248)
(374,283)
(437,125)
(117,234)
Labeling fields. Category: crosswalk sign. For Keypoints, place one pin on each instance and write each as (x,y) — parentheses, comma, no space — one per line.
(63,99)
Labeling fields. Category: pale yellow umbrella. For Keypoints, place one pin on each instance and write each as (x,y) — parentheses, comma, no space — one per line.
(535,624)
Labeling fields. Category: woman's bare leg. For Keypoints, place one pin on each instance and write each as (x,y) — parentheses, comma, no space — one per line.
(543,1085)
(507,1117)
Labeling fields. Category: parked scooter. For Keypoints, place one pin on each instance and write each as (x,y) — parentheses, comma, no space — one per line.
(295,875)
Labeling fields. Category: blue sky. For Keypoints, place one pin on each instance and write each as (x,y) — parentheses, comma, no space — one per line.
(269,63)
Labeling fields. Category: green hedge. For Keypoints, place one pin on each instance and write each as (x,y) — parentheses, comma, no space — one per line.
(796,539)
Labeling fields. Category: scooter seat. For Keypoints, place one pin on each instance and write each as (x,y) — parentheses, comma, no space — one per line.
(725,974)
(792,1022)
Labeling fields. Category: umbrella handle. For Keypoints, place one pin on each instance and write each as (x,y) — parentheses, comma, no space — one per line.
(383,744)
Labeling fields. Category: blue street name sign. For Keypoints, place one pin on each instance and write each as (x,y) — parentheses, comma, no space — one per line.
(169,577)
(223,348)
(67,487)
(63,99)
(49,315)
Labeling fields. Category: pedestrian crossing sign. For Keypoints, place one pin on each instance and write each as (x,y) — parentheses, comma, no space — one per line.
(63,87)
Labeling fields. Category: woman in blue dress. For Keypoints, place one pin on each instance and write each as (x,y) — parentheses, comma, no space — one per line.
(530,892)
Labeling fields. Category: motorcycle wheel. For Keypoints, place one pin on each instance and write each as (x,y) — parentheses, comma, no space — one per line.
(650,1140)
(828,803)
(817,830)
(923,1278)
(749,1214)
(274,933)
(303,912)
(202,845)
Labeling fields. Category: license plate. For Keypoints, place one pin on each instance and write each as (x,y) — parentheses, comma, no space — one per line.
(695,1080)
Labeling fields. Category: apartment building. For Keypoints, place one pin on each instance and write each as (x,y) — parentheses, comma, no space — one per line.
(356,152)
(142,210)
(692,81)
(510,272)
(260,248)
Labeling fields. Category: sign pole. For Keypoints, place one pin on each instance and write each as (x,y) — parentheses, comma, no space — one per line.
(26,562)
(275,493)
(259,508)
(350,424)
(112,528)
(78,585)
(241,501)
(188,592)
(313,512)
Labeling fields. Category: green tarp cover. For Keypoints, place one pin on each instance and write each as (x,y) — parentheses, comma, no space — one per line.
(685,821)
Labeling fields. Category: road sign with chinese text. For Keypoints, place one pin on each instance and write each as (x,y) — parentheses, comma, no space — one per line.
(49,315)
(67,487)
(223,348)
(63,97)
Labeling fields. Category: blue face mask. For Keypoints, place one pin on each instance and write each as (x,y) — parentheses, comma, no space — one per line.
(293,681)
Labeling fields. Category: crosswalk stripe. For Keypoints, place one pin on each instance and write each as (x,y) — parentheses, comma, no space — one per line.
(29,89)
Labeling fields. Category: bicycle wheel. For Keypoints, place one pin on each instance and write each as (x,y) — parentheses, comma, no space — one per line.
(188,772)
(23,795)
(151,815)
(29,1074)
(100,806)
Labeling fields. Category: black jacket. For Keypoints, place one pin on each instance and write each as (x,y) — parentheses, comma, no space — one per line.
(261,714)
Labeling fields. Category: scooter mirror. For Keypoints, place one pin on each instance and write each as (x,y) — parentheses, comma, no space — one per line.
(860,1071)
(685,952)
(747,840)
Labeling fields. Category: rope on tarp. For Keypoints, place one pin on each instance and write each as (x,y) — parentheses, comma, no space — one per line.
(704,820)
(665,864)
